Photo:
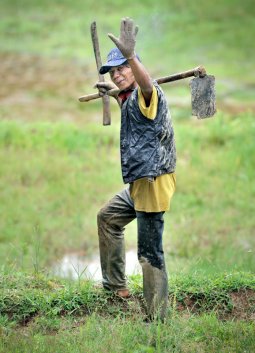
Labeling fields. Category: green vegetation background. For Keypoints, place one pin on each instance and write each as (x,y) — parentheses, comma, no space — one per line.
(59,164)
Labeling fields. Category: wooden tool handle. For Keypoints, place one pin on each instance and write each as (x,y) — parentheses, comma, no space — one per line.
(197,71)
(89,97)
(105,99)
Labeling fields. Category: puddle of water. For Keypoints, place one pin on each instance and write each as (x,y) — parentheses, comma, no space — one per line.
(74,266)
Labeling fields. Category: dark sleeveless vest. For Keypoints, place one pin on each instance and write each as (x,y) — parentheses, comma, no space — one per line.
(147,146)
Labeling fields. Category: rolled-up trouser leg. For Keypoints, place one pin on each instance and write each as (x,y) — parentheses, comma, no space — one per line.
(111,219)
(151,258)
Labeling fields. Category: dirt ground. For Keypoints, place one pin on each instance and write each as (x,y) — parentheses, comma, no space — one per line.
(52,86)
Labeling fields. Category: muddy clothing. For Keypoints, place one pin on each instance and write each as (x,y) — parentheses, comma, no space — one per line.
(147,150)
(147,145)
(112,219)
(152,195)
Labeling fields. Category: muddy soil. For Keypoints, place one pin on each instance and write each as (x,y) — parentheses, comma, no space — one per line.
(43,88)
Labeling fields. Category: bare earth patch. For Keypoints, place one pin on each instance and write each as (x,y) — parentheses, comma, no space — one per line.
(243,308)
(37,87)
(240,307)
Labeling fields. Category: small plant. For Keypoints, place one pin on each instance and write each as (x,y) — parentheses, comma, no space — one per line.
(37,247)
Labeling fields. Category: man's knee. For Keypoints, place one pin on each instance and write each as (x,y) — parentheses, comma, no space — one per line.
(101,216)
(106,218)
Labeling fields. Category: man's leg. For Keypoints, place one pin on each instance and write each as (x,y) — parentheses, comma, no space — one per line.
(151,258)
(112,219)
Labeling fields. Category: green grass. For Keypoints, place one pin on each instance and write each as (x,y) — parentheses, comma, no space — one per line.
(55,177)
(46,167)
(57,316)
(205,334)
(50,203)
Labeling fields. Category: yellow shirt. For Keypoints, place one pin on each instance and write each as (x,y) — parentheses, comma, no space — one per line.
(152,196)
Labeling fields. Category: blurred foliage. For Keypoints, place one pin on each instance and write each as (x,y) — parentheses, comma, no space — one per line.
(218,34)
(59,164)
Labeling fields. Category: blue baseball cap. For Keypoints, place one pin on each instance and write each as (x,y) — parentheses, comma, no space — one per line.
(114,58)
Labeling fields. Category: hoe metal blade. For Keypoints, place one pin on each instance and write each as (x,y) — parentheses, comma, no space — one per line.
(203,96)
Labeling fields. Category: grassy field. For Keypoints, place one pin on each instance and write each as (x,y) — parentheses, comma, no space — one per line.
(55,177)
(59,165)
(205,315)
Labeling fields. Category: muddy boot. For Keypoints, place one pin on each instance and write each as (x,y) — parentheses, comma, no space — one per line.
(151,258)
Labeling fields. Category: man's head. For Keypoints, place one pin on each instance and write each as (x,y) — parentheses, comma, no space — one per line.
(119,70)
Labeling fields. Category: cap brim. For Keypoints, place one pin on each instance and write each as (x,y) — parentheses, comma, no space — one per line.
(107,67)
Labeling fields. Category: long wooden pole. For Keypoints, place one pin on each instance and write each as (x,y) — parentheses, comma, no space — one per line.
(198,71)
(105,98)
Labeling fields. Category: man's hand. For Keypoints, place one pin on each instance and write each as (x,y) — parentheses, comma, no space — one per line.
(105,86)
(126,41)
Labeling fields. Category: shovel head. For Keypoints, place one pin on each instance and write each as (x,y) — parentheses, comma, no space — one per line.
(203,96)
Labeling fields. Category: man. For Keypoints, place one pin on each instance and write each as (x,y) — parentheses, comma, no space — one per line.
(148,159)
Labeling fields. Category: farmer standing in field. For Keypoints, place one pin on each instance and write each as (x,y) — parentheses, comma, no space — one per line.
(148,159)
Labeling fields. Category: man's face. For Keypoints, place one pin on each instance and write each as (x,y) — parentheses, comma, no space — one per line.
(122,76)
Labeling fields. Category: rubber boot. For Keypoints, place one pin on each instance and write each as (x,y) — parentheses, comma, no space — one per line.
(151,258)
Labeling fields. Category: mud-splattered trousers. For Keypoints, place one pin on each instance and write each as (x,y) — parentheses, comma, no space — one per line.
(112,219)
